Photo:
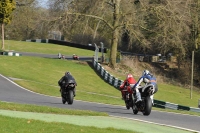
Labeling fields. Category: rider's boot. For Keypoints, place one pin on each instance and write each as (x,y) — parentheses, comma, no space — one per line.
(138,96)
(152,99)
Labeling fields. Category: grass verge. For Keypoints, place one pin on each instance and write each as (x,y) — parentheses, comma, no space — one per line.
(17,125)
(45,109)
(45,48)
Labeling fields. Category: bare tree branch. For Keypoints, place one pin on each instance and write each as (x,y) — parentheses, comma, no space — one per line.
(88,15)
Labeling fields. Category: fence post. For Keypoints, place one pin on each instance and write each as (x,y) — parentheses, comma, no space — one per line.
(96,52)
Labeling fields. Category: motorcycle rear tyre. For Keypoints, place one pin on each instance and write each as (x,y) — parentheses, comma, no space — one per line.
(148,106)
(127,106)
(70,97)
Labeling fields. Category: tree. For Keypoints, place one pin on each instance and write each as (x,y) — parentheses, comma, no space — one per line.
(169,27)
(30,21)
(116,16)
(6,9)
(151,25)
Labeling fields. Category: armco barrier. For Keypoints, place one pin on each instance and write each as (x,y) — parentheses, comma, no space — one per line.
(199,103)
(38,40)
(195,109)
(171,106)
(11,53)
(107,76)
(181,107)
(157,103)
(64,43)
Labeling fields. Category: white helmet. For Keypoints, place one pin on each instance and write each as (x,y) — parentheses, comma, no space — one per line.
(146,72)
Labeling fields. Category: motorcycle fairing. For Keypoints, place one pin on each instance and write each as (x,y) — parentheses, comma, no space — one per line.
(148,86)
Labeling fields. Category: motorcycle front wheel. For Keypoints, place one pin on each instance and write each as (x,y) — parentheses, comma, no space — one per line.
(70,97)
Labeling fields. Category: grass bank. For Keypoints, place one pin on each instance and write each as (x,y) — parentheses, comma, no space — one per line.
(45,48)
(49,110)
(17,125)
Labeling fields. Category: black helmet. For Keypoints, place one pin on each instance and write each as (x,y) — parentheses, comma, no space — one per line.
(67,73)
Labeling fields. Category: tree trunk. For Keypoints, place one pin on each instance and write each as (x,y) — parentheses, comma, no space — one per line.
(114,43)
(2,33)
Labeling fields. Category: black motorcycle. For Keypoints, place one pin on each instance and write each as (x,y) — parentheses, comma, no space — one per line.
(68,93)
(143,106)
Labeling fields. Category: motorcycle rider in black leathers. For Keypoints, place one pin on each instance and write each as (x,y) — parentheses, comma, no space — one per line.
(65,80)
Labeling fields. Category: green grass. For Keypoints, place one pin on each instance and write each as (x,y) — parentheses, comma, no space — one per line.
(177,95)
(47,109)
(45,48)
(17,125)
(41,75)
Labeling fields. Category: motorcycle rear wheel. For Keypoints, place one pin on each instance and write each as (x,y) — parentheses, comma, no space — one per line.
(127,106)
(148,106)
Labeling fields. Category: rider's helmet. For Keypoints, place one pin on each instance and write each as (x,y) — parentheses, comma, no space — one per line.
(67,73)
(129,76)
(146,72)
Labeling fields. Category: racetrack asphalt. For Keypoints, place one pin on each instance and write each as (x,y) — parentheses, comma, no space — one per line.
(96,121)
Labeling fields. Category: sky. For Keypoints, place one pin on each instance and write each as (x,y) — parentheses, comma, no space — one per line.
(43,3)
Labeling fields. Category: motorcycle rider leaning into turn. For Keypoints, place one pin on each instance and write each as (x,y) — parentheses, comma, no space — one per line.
(146,78)
(65,80)
(129,82)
